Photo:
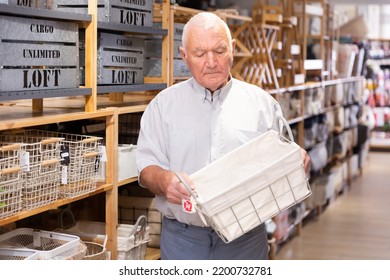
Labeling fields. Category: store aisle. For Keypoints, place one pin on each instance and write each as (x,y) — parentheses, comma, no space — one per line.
(356,226)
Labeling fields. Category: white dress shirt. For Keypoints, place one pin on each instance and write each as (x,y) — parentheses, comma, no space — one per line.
(184,128)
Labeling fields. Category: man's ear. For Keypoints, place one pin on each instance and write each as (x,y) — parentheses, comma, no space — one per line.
(183,54)
(233,45)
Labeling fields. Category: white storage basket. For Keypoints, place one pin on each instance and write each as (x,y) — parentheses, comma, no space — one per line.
(13,254)
(251,184)
(48,244)
(132,240)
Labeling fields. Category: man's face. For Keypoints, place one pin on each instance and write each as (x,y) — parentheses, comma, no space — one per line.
(209,56)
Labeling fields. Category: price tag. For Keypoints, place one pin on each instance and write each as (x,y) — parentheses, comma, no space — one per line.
(188,205)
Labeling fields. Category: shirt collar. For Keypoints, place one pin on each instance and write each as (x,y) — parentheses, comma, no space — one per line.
(205,94)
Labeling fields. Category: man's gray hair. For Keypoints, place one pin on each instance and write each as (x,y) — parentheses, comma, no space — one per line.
(205,20)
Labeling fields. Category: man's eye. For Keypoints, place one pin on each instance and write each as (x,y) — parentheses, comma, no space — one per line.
(200,54)
(220,51)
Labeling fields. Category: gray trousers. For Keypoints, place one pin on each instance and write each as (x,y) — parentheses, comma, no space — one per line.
(184,242)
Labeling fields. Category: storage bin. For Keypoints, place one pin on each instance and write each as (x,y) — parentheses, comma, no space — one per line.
(17,254)
(132,207)
(79,156)
(10,180)
(127,167)
(26,3)
(40,165)
(249,185)
(47,244)
(38,54)
(137,13)
(132,240)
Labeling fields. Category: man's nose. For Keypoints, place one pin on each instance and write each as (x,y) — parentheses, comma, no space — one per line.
(210,59)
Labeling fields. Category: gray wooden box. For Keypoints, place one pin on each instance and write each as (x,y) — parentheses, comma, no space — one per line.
(120,59)
(152,68)
(153,48)
(126,12)
(25,3)
(38,54)
(177,29)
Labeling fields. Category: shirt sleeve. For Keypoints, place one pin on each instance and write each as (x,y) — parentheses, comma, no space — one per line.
(151,145)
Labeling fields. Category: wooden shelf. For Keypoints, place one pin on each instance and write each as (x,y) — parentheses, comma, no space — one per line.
(131,28)
(6,9)
(127,181)
(129,88)
(60,202)
(47,93)
(152,253)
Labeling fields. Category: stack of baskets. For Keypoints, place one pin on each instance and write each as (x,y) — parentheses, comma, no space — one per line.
(40,165)
(59,164)
(79,154)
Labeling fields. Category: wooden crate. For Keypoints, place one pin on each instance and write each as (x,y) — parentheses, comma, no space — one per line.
(25,3)
(126,12)
(153,48)
(153,68)
(120,59)
(38,54)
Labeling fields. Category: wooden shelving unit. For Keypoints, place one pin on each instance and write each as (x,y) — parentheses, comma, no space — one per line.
(34,108)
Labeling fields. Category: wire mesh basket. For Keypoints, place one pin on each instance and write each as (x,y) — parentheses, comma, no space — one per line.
(133,240)
(47,244)
(10,197)
(80,154)
(250,185)
(40,164)
(17,254)
(10,183)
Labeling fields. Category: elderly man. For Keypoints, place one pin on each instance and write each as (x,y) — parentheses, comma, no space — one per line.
(192,123)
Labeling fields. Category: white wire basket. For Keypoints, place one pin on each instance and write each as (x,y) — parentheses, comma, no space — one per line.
(48,245)
(133,240)
(250,185)
(13,254)
(80,154)
(40,163)
(10,197)
(10,183)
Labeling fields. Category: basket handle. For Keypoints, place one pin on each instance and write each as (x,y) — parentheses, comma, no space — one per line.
(61,218)
(11,147)
(91,154)
(286,126)
(50,141)
(141,221)
(91,140)
(186,185)
(49,162)
(10,170)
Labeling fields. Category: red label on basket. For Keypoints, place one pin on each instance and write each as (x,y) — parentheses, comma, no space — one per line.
(187,206)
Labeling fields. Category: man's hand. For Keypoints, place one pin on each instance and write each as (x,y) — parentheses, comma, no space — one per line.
(306,161)
(165,182)
(175,191)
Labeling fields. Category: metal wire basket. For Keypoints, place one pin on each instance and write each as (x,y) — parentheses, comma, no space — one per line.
(47,244)
(250,185)
(40,164)
(10,183)
(17,254)
(80,154)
